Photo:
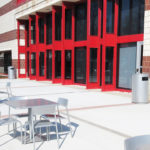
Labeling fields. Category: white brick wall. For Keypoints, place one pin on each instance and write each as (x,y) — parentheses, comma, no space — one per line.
(146,51)
(4,2)
(8,22)
(10,45)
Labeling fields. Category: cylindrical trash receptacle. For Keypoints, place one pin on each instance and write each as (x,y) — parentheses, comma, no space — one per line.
(11,72)
(140,88)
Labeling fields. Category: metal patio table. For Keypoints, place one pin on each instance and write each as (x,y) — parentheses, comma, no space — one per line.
(29,104)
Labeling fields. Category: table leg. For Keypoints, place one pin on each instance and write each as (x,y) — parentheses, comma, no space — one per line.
(30,122)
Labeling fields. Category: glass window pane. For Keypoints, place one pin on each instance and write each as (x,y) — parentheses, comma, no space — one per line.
(110,16)
(93,65)
(81,22)
(33,32)
(80,65)
(49,29)
(124,20)
(131,17)
(27,33)
(28,64)
(58,26)
(41,30)
(68,64)
(127,64)
(101,53)
(94,17)
(33,63)
(57,64)
(109,65)
(101,8)
(41,63)
(49,64)
(68,24)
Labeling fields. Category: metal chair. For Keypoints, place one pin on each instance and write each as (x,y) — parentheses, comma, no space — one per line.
(138,143)
(9,120)
(19,115)
(8,88)
(40,123)
(64,114)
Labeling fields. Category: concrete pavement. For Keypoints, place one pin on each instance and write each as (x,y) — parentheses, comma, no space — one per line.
(100,120)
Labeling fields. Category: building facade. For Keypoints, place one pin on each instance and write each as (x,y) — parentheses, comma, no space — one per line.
(95,43)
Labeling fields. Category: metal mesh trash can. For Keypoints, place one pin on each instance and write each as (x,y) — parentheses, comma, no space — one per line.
(140,88)
(11,72)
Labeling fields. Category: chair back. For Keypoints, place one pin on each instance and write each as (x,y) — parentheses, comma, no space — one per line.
(62,102)
(18,98)
(8,88)
(44,110)
(138,143)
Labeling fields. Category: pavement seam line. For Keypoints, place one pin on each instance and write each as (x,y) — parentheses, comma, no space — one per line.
(101,127)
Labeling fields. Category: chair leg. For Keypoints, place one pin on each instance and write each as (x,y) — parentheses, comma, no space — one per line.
(21,133)
(47,130)
(60,124)
(57,133)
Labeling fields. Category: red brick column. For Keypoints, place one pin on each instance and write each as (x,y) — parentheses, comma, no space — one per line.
(146,64)
(147,4)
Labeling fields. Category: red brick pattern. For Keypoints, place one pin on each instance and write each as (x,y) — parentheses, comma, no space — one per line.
(10,6)
(15,63)
(22,63)
(11,35)
(147,4)
(8,36)
(22,34)
(146,64)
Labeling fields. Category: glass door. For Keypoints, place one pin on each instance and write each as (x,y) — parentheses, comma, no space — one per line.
(58,64)
(41,64)
(49,64)
(80,65)
(28,64)
(127,64)
(33,65)
(68,55)
(109,65)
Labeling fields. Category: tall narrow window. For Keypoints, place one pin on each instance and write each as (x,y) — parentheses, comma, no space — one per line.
(33,32)
(68,64)
(28,65)
(131,17)
(94,17)
(57,64)
(68,24)
(110,16)
(127,64)
(58,26)
(33,63)
(27,28)
(101,53)
(49,29)
(41,64)
(81,22)
(101,8)
(80,65)
(41,30)
(109,65)
(49,64)
(93,65)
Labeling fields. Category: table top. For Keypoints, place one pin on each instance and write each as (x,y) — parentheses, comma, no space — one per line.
(29,103)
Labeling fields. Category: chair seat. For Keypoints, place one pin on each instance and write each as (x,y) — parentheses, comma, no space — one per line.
(51,116)
(42,123)
(22,115)
(7,121)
